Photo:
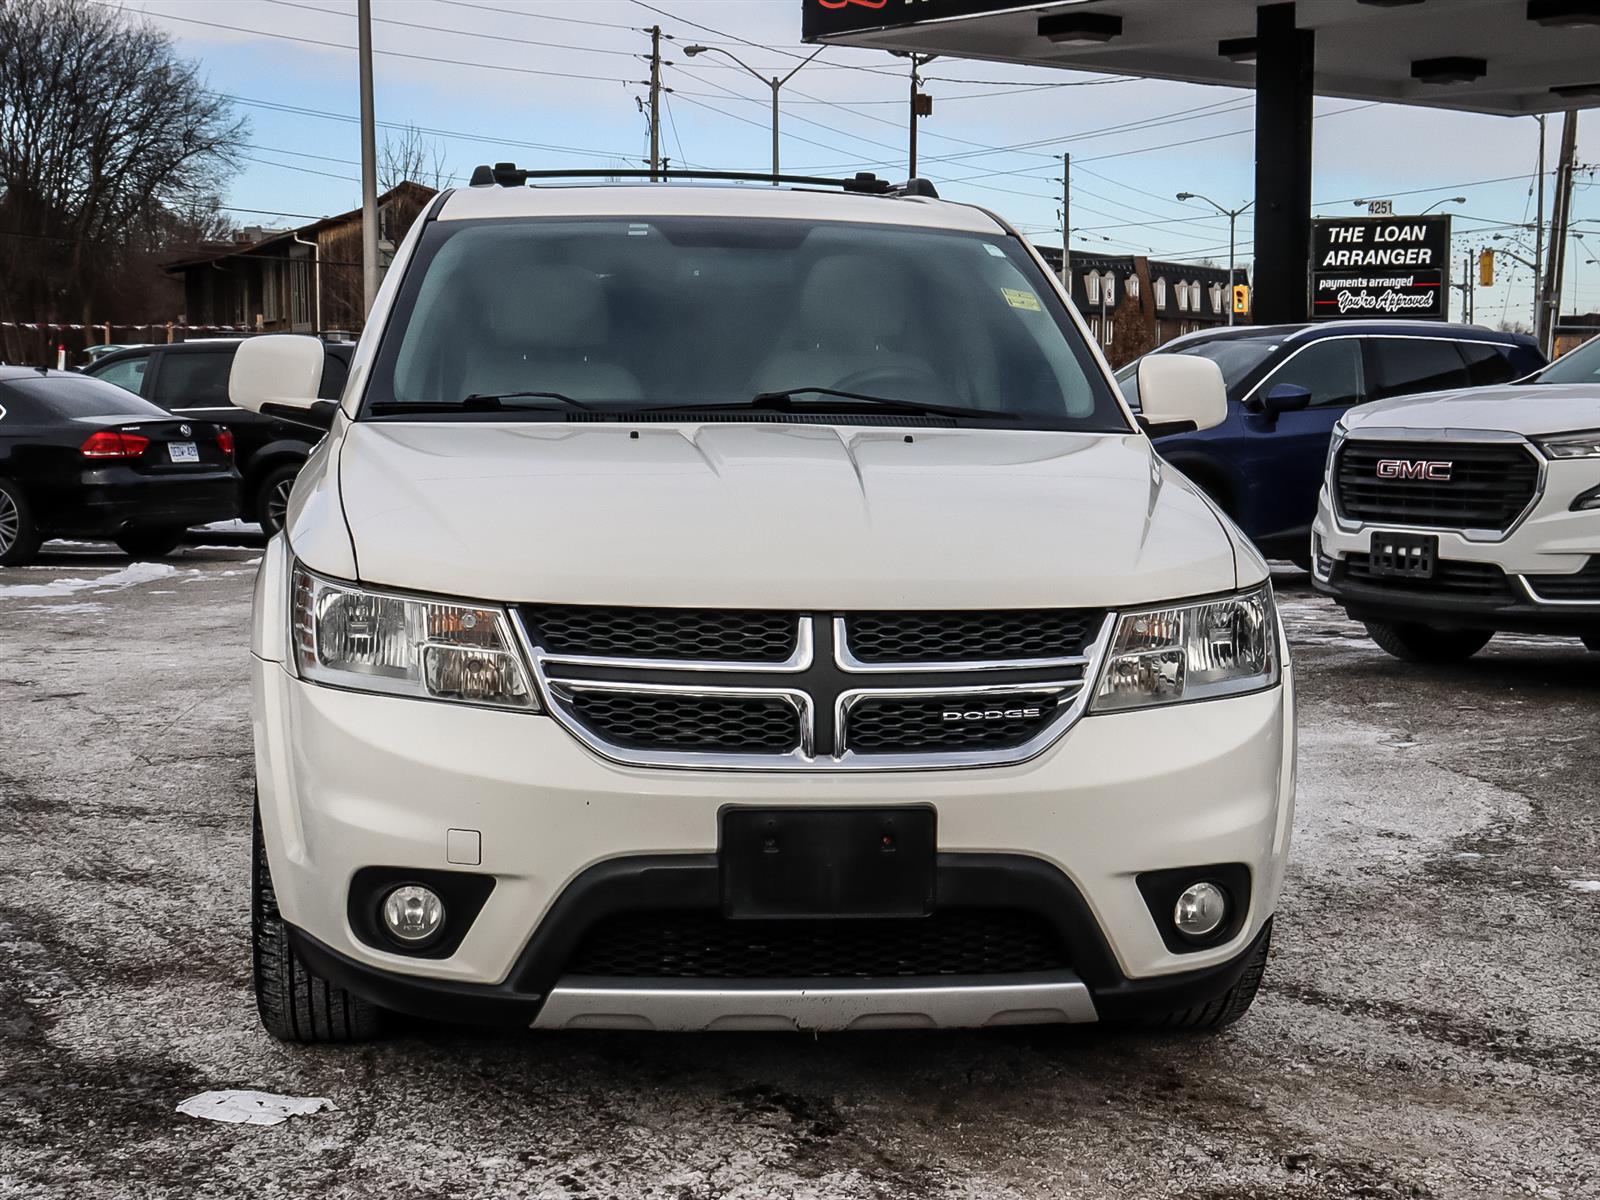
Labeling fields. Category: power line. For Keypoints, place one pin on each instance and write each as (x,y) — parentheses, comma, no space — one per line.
(472,33)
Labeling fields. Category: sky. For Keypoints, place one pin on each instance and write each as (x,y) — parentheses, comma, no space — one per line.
(559,84)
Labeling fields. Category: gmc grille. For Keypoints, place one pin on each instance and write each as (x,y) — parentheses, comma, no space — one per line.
(1483,581)
(1490,485)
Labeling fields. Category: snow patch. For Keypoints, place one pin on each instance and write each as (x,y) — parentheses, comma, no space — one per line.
(251,1108)
(67,610)
(1584,885)
(128,576)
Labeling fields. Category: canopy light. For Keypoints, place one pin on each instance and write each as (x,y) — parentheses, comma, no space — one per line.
(1239,50)
(1080,29)
(1564,14)
(1453,69)
(1586,92)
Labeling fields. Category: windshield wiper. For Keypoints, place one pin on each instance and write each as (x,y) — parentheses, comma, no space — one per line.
(786,401)
(477,402)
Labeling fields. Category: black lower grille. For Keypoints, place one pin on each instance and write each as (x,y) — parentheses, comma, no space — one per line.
(699,945)
(713,724)
(891,725)
(693,634)
(1444,485)
(954,637)
(1450,577)
(1581,585)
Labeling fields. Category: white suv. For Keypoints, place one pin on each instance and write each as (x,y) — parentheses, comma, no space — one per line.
(1450,517)
(747,607)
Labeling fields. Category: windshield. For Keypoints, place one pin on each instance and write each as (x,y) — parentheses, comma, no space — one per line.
(1237,357)
(1575,366)
(613,316)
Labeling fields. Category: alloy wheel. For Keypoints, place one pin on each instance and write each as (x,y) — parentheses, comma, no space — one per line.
(10,522)
(278,505)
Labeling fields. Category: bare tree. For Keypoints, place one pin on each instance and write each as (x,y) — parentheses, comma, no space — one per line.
(409,155)
(102,129)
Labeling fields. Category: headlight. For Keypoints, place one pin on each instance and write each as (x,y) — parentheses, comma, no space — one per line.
(369,641)
(1191,652)
(1572,445)
(1334,442)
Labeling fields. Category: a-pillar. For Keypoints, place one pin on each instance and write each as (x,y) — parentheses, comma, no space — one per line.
(1285,69)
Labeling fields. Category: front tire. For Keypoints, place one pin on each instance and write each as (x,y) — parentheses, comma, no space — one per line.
(295,1004)
(1230,1006)
(150,542)
(19,534)
(270,505)
(1425,644)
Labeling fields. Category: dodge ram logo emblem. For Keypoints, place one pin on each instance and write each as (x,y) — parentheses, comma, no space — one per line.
(992,714)
(1406,468)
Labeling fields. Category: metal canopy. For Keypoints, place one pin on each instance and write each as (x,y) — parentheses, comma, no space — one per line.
(1365,49)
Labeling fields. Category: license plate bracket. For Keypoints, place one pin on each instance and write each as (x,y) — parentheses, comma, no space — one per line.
(798,863)
(1403,555)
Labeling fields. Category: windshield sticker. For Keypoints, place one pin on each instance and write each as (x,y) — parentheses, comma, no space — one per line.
(1026,301)
(994,250)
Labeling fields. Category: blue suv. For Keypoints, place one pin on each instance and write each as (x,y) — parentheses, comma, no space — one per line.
(1288,385)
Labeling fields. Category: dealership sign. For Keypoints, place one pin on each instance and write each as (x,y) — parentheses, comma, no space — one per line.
(1380,267)
(824,18)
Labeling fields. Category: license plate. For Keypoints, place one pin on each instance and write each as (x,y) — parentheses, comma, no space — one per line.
(183,452)
(1403,556)
(810,862)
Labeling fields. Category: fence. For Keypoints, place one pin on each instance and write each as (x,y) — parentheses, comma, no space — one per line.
(45,343)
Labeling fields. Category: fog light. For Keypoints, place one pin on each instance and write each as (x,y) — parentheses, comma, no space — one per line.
(1201,910)
(413,914)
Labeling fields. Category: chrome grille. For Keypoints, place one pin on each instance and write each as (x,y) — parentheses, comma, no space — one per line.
(681,687)
(691,634)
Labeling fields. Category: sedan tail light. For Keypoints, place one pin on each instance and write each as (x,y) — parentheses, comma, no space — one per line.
(225,442)
(114,443)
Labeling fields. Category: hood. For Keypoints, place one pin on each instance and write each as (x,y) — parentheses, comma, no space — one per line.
(1531,409)
(775,516)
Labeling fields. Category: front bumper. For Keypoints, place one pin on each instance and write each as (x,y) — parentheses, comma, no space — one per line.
(1535,578)
(351,781)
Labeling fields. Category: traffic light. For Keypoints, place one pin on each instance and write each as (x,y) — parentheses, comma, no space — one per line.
(1241,298)
(1486,268)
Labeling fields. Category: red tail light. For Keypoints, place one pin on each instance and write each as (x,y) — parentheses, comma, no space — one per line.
(114,443)
(225,442)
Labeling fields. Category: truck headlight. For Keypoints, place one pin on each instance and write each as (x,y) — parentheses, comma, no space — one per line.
(371,641)
(1572,445)
(1191,652)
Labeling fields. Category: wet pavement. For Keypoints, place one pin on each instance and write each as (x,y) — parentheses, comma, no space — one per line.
(1429,1025)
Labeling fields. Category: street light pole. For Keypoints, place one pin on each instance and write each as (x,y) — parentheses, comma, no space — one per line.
(1233,215)
(775,83)
(369,163)
(1446,200)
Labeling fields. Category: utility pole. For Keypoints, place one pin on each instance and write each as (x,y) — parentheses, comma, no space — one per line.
(655,102)
(776,83)
(1559,222)
(1538,241)
(912,111)
(369,163)
(1066,222)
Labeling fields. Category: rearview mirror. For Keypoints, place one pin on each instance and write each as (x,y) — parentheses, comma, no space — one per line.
(1285,398)
(279,375)
(1181,390)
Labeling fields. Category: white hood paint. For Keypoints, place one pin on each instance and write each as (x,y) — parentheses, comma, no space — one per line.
(772,515)
(1531,409)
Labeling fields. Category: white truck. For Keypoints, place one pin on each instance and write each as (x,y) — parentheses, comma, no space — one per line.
(1450,517)
(747,607)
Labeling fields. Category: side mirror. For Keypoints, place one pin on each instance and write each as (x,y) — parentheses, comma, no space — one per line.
(278,375)
(1285,398)
(1181,390)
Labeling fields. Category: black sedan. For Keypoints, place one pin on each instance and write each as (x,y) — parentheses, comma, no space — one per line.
(82,458)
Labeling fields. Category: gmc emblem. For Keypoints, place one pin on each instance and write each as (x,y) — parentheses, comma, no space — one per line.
(1405,468)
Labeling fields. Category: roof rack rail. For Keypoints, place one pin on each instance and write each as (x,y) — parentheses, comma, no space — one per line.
(511,175)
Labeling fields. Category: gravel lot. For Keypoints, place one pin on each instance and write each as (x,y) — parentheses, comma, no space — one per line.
(1430,1024)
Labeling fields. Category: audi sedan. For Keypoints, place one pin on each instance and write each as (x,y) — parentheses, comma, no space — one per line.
(82,458)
